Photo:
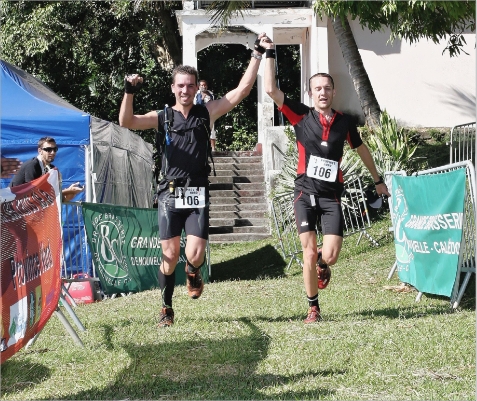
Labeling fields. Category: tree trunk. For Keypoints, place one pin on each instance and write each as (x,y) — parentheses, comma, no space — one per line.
(170,32)
(359,76)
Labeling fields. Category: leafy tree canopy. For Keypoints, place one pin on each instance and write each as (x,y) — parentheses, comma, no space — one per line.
(409,20)
(83,49)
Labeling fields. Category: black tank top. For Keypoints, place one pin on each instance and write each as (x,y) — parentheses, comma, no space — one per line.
(187,155)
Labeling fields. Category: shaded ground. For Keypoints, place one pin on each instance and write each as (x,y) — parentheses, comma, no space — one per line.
(433,147)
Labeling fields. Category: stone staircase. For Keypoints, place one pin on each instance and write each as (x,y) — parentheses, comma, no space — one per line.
(238,204)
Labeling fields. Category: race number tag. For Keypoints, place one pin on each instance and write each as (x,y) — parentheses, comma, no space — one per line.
(191,198)
(322,169)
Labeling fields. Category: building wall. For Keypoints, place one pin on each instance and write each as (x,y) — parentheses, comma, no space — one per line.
(415,83)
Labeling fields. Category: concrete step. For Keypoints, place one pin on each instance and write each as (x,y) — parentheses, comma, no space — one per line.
(238,166)
(238,204)
(234,200)
(238,214)
(255,194)
(237,222)
(235,173)
(236,237)
(242,230)
(237,159)
(237,153)
(236,178)
(222,186)
(238,207)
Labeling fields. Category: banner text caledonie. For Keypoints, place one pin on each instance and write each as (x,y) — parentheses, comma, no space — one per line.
(437,222)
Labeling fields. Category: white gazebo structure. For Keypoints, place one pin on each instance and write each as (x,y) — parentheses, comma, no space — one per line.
(286,26)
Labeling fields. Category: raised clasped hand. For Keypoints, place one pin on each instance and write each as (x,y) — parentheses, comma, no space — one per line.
(266,42)
(133,79)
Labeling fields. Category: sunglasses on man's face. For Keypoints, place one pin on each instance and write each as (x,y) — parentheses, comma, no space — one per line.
(49,150)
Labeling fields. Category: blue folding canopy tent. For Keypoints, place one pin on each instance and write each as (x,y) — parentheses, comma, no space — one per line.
(29,111)
(114,164)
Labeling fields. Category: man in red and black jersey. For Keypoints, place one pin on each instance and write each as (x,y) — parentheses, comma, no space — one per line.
(183,196)
(321,133)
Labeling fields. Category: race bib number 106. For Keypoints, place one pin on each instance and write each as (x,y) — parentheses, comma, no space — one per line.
(322,169)
(191,198)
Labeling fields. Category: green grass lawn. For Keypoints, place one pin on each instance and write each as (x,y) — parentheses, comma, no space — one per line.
(244,338)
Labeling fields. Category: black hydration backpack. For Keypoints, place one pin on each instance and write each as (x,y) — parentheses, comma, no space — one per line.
(165,138)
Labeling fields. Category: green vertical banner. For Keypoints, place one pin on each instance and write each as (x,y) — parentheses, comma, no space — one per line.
(428,214)
(126,249)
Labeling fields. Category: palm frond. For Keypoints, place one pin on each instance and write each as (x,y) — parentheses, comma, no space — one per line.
(222,11)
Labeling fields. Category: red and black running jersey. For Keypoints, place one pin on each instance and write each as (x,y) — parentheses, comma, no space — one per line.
(318,138)
(187,155)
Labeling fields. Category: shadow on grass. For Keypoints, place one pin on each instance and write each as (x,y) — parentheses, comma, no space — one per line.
(434,153)
(421,309)
(263,262)
(204,369)
(467,301)
(22,375)
(402,313)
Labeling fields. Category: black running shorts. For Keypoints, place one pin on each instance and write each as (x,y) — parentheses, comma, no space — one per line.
(172,221)
(308,212)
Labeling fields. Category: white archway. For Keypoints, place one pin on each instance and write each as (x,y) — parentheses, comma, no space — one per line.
(286,26)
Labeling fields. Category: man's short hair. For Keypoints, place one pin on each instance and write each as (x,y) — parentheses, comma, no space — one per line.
(321,74)
(187,70)
(41,141)
(203,80)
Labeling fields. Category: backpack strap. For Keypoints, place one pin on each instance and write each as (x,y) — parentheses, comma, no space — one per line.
(209,149)
(209,146)
(159,171)
(168,123)
(167,140)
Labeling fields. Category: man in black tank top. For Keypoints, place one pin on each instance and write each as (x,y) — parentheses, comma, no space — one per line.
(183,196)
(321,133)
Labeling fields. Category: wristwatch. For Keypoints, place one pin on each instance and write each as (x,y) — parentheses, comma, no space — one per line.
(380,181)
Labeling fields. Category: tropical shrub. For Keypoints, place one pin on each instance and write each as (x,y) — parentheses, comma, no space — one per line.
(393,149)
(285,181)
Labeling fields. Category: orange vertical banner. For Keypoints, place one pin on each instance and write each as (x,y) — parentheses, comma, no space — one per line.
(31,255)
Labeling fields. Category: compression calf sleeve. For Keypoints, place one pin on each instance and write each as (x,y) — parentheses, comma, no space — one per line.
(192,269)
(166,284)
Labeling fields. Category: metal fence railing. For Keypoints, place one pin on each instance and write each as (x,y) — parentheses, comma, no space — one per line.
(355,211)
(285,228)
(76,252)
(462,143)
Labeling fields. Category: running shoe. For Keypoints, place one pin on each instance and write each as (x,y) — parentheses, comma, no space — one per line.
(166,318)
(313,315)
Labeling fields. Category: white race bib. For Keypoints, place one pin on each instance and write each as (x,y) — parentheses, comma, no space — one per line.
(192,198)
(322,169)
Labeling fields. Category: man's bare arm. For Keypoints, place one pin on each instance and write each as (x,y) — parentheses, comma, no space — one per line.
(270,83)
(368,161)
(127,118)
(219,107)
